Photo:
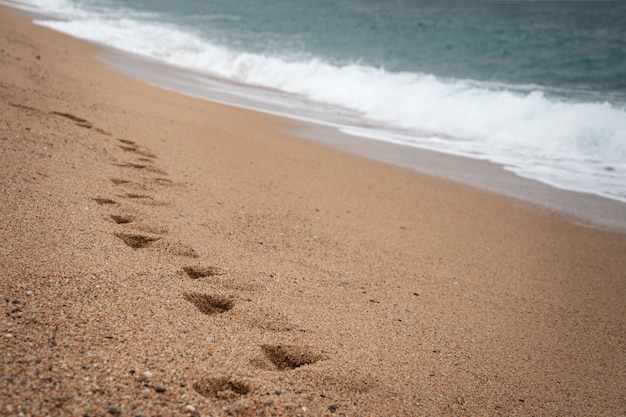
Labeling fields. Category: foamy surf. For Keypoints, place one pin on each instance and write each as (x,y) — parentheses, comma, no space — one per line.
(566,142)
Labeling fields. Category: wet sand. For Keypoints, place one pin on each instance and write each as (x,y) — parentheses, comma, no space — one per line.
(164,255)
(585,208)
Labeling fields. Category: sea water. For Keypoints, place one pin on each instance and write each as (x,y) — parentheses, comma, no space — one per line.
(537,86)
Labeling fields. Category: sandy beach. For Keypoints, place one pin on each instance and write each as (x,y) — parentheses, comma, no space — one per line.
(164,255)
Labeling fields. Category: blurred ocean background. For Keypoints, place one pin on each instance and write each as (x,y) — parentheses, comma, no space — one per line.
(537,86)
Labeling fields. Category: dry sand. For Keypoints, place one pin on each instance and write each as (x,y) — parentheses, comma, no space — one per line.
(163,255)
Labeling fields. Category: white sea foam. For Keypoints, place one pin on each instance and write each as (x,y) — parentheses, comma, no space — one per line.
(572,145)
(52,8)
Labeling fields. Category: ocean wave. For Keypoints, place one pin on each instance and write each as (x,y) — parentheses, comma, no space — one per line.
(555,140)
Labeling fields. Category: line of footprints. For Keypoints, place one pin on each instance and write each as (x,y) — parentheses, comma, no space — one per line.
(280,357)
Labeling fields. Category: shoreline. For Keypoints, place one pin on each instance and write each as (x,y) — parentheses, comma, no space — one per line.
(581,207)
(590,209)
(166,255)
(586,209)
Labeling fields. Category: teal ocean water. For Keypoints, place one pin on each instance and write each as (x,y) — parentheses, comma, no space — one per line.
(537,86)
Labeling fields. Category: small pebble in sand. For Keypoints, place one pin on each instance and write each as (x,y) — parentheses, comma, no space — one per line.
(160,389)
(8,336)
(114,410)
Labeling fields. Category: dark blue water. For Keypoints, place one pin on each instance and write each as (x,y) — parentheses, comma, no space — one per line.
(569,45)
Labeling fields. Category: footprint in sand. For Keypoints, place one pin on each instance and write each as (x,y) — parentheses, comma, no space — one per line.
(78,120)
(104,201)
(221,387)
(288,357)
(136,196)
(81,122)
(195,272)
(137,241)
(21,106)
(250,314)
(122,218)
(137,166)
(119,181)
(130,146)
(138,224)
(144,199)
(141,241)
(162,181)
(146,157)
(129,184)
(143,166)
(210,304)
